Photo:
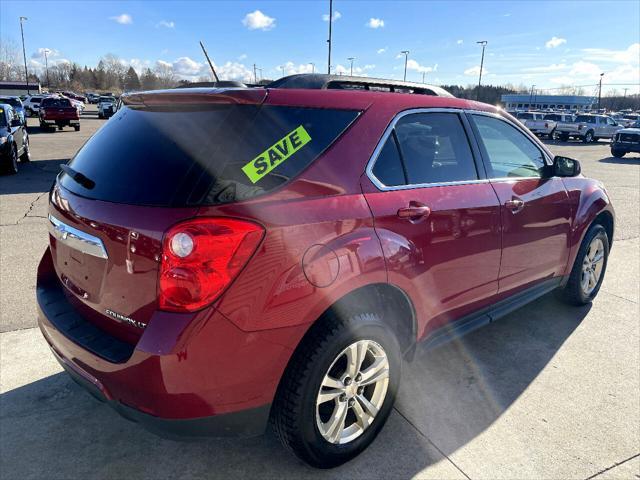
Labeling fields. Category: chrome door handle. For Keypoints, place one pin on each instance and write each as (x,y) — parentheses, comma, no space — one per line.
(414,211)
(515,205)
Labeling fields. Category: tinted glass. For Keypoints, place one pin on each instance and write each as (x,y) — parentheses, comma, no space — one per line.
(555,118)
(55,102)
(388,166)
(585,119)
(36,100)
(202,155)
(525,116)
(434,148)
(510,152)
(14,102)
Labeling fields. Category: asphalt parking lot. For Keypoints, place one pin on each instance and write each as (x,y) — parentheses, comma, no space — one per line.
(548,392)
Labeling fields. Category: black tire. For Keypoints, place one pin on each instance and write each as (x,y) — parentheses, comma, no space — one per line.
(564,137)
(60,127)
(76,128)
(26,154)
(552,134)
(617,153)
(588,137)
(11,165)
(573,292)
(293,415)
(100,116)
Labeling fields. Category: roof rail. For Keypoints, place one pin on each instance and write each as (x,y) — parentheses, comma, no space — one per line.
(319,81)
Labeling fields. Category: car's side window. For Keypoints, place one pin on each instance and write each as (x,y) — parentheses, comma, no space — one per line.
(510,152)
(388,167)
(434,148)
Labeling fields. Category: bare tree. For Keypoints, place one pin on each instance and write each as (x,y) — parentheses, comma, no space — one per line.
(115,70)
(166,77)
(10,60)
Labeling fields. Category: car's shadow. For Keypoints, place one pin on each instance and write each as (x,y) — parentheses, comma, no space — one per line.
(626,160)
(451,394)
(32,177)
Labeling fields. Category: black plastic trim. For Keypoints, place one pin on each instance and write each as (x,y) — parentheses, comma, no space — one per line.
(56,308)
(473,321)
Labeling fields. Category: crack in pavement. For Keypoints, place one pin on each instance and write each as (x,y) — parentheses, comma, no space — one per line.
(31,207)
(431,442)
(613,466)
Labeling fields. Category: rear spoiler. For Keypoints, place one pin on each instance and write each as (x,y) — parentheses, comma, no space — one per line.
(196,96)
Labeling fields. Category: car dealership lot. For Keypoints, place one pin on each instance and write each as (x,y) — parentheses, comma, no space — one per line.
(547,392)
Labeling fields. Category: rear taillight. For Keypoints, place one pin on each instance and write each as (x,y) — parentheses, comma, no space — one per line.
(200,259)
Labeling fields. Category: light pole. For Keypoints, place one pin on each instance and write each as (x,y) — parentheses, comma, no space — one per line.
(255,74)
(484,44)
(351,59)
(329,41)
(406,57)
(531,95)
(423,74)
(313,67)
(260,70)
(600,90)
(24,55)
(46,66)
(282,67)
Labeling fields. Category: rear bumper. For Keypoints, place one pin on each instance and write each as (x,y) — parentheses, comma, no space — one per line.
(63,122)
(188,375)
(245,423)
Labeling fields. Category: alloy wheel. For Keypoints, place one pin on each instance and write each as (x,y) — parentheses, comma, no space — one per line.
(592,266)
(352,392)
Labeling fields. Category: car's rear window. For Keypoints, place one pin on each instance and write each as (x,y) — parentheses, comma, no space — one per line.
(56,102)
(202,155)
(14,102)
(585,119)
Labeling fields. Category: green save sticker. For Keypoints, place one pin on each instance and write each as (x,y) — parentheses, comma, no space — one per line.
(276,154)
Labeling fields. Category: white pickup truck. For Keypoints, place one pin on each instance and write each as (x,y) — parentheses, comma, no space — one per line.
(536,122)
(588,128)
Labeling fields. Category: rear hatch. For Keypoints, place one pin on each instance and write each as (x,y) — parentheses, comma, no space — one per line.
(154,164)
(59,109)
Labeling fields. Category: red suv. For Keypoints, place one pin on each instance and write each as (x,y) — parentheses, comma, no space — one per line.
(220,258)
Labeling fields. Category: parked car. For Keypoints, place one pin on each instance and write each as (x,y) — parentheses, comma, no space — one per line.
(626,140)
(16,103)
(222,257)
(106,106)
(559,119)
(32,104)
(14,140)
(537,123)
(588,128)
(59,112)
(92,97)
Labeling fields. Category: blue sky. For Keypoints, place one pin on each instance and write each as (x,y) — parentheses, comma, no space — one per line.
(546,43)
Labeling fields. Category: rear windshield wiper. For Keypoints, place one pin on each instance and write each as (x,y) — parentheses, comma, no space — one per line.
(78,177)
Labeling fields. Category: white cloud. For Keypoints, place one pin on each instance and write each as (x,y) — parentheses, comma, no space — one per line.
(506,15)
(242,57)
(413,65)
(185,66)
(555,67)
(291,68)
(336,16)
(555,42)
(460,42)
(258,21)
(382,50)
(235,71)
(375,23)
(123,19)
(166,24)
(475,71)
(51,53)
(631,55)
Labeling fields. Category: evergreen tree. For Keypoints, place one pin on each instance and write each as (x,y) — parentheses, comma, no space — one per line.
(131,80)
(149,80)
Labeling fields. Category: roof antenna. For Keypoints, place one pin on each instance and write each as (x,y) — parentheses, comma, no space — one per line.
(215,75)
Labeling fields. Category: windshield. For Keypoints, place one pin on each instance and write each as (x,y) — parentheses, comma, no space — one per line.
(202,155)
(14,102)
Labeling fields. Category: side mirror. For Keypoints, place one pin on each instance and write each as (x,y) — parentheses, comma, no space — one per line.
(566,167)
